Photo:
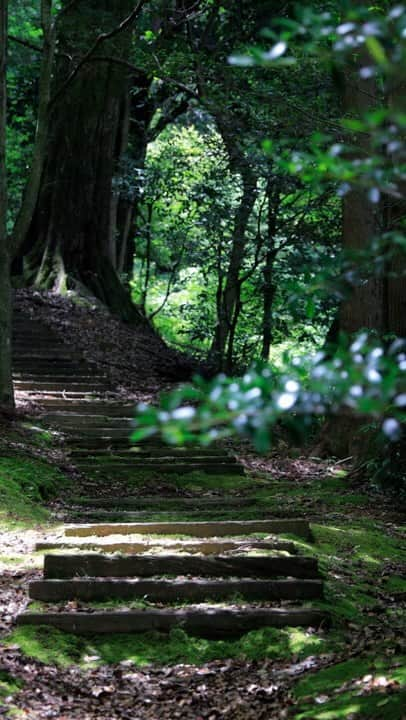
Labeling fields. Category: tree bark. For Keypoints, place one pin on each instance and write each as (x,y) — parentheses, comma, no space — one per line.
(6,386)
(32,187)
(269,287)
(378,303)
(365,307)
(70,235)
(229,298)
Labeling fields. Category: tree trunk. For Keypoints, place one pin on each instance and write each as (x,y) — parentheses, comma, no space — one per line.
(378,303)
(269,287)
(6,386)
(230,296)
(70,235)
(32,187)
(365,307)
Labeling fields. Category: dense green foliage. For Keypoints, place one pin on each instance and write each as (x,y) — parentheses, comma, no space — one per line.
(346,378)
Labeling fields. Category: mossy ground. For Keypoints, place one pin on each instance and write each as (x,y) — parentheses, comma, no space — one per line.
(354,688)
(53,646)
(25,484)
(360,555)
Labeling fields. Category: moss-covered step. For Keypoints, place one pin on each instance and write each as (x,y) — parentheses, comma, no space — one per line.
(210,623)
(170,591)
(208,547)
(70,419)
(166,468)
(165,502)
(148,515)
(297,527)
(96,440)
(57,567)
(135,461)
(150,451)
(83,434)
(89,407)
(70,385)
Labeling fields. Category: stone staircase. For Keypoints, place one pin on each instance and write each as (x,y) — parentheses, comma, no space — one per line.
(139,565)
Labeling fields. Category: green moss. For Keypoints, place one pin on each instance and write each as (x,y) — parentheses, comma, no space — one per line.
(395,584)
(194,481)
(8,684)
(367,707)
(339,691)
(24,484)
(53,646)
(333,493)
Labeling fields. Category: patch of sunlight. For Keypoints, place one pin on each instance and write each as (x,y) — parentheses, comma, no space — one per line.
(334,714)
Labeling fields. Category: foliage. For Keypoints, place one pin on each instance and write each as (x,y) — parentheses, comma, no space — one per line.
(364,379)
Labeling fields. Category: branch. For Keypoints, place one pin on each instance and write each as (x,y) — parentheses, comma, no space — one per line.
(171,279)
(181,86)
(25,43)
(167,119)
(103,37)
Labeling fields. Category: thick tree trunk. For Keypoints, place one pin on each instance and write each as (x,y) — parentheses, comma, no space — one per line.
(365,307)
(6,387)
(71,234)
(379,303)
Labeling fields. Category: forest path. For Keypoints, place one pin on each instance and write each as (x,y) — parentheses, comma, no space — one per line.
(193,547)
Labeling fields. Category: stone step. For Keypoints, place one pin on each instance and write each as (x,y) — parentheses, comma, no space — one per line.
(173,502)
(99,407)
(101,434)
(58,567)
(59,378)
(71,385)
(37,337)
(155,466)
(116,461)
(297,527)
(145,452)
(208,547)
(210,623)
(40,395)
(149,515)
(32,354)
(171,591)
(66,419)
(40,349)
(41,369)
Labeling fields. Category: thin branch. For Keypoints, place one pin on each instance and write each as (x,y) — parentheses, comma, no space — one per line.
(103,37)
(171,279)
(181,86)
(25,43)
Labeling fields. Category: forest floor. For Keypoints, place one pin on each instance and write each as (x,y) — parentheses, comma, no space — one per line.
(354,669)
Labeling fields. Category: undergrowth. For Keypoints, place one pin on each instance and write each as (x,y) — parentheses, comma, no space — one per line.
(53,646)
(25,483)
